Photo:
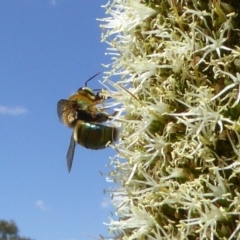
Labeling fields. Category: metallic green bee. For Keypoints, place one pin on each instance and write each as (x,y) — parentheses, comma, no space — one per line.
(80,113)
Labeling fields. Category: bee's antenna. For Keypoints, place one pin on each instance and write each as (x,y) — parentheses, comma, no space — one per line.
(91,78)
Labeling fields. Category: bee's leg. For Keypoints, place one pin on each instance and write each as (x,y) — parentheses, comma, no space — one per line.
(100,97)
(101,117)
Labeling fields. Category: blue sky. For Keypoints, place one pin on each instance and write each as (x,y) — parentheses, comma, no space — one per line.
(48,49)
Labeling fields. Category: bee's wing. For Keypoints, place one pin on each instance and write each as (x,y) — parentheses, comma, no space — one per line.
(60,107)
(70,153)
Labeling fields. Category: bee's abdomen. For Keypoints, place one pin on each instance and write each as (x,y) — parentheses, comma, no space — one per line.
(93,135)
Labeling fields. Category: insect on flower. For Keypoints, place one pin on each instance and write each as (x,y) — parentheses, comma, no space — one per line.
(81,113)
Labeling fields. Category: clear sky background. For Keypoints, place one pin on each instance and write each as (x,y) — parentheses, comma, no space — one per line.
(48,49)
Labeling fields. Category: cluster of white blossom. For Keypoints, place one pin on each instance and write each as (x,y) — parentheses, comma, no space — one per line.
(178,164)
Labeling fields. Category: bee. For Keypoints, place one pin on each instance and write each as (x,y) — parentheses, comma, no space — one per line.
(80,113)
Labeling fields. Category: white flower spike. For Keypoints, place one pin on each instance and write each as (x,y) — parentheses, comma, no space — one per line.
(177,94)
